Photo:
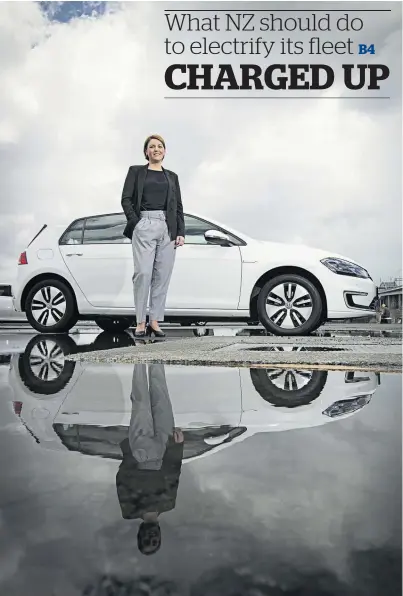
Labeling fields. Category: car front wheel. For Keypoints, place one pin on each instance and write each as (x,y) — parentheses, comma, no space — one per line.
(289,388)
(50,307)
(290,304)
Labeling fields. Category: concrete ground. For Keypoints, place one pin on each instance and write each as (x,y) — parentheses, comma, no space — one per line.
(348,346)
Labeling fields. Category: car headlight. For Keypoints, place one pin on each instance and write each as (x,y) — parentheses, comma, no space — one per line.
(342,267)
(347,406)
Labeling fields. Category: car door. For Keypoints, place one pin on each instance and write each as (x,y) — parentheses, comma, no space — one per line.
(100,259)
(205,275)
(200,397)
(100,397)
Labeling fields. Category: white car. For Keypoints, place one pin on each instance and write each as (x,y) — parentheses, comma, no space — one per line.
(86,407)
(84,271)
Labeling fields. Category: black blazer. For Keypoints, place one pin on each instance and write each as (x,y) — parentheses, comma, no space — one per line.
(132,195)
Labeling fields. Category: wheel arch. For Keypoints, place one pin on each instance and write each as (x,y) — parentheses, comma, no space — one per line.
(263,279)
(42,277)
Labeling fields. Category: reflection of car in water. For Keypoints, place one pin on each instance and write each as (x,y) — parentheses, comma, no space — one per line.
(86,407)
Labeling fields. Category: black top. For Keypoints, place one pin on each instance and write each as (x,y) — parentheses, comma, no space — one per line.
(155,191)
(141,491)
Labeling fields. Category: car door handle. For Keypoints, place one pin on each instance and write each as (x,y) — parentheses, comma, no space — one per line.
(74,254)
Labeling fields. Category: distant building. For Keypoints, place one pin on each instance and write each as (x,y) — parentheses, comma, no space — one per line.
(390,293)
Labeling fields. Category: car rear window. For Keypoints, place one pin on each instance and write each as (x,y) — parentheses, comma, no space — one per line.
(74,233)
(105,229)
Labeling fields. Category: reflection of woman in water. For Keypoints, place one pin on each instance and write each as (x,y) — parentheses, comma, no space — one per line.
(148,477)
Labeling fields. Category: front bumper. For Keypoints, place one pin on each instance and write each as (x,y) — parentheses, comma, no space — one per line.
(350,297)
(359,300)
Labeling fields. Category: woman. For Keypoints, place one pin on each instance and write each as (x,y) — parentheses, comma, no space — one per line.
(148,477)
(151,200)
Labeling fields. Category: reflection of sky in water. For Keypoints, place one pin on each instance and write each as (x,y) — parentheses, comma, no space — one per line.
(66,11)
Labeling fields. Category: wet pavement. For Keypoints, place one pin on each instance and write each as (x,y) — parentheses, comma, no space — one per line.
(254,347)
(153,479)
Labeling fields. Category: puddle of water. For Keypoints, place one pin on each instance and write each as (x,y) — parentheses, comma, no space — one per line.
(295,349)
(231,480)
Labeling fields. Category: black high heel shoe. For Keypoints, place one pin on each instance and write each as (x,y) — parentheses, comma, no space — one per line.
(139,334)
(150,330)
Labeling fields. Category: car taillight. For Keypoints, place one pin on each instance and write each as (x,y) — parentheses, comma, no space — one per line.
(17,405)
(23,259)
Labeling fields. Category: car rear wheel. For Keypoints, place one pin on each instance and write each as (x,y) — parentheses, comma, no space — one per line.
(289,304)
(43,367)
(50,307)
(114,324)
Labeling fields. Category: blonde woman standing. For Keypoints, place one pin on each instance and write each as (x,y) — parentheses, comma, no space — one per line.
(151,200)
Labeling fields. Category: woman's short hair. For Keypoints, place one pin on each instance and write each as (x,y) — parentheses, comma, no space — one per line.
(148,139)
(145,538)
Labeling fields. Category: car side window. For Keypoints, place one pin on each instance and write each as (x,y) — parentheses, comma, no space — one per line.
(105,229)
(195,229)
(74,233)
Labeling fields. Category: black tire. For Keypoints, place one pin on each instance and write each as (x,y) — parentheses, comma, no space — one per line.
(114,324)
(43,368)
(290,311)
(58,302)
(264,380)
(106,341)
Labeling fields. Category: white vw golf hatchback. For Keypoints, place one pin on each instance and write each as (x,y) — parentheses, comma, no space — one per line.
(84,271)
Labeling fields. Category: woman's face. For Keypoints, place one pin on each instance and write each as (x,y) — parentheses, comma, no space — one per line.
(155,150)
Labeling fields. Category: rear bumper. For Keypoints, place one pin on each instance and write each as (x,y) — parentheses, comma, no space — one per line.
(16,302)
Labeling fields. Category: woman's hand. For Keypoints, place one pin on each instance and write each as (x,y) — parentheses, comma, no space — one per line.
(178,435)
(180,241)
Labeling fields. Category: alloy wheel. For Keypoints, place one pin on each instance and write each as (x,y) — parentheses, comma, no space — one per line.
(48,306)
(289,379)
(289,305)
(46,360)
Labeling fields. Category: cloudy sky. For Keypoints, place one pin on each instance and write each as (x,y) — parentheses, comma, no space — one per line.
(82,84)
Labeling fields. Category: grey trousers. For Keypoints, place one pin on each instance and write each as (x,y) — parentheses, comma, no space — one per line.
(154,257)
(152,420)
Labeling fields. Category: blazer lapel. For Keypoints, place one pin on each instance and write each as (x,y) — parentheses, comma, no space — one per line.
(140,184)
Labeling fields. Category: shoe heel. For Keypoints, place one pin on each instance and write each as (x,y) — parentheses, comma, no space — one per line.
(158,334)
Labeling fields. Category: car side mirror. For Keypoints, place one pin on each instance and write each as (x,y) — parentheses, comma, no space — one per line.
(217,237)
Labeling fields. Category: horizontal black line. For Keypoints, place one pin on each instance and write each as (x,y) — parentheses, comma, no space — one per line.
(269,97)
(245,11)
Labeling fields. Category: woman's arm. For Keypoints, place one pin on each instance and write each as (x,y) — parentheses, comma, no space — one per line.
(179,211)
(128,193)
